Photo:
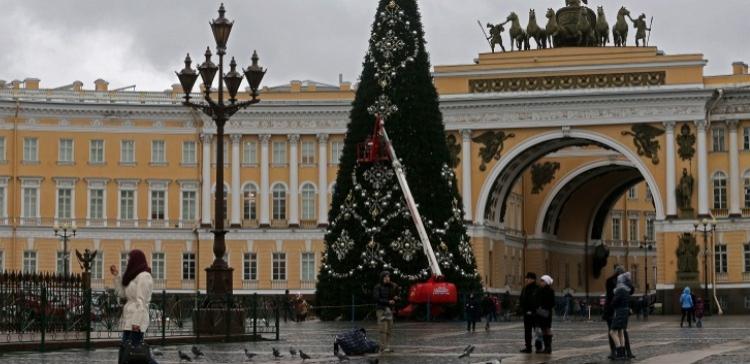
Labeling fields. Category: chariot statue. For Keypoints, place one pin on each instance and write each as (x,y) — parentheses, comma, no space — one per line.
(576,25)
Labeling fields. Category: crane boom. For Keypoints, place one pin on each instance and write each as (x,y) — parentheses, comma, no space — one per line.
(416,217)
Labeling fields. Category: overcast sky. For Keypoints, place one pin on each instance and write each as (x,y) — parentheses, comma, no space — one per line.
(142,41)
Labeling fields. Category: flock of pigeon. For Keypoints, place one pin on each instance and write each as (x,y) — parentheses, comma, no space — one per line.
(197,354)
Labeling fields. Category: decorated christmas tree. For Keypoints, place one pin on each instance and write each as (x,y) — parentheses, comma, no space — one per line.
(371,228)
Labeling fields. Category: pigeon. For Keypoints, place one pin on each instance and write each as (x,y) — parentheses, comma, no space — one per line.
(341,356)
(467,351)
(303,355)
(183,356)
(197,352)
(156,352)
(249,355)
(276,353)
(292,352)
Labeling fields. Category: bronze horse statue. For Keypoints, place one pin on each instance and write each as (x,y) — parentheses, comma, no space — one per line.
(533,30)
(584,29)
(620,30)
(602,28)
(517,34)
(552,29)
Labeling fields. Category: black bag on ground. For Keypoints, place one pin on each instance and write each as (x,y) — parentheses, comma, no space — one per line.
(354,342)
(134,354)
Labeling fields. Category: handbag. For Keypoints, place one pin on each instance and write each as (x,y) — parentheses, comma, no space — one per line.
(135,354)
(542,312)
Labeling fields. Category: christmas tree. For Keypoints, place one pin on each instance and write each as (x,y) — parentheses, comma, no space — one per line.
(371,228)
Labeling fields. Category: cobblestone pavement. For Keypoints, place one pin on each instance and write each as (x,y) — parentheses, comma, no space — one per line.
(659,340)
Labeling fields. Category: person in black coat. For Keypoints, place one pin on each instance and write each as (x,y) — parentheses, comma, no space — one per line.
(620,314)
(472,312)
(608,312)
(527,305)
(385,294)
(488,310)
(546,301)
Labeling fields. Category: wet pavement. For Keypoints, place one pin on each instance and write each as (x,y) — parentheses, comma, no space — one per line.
(659,340)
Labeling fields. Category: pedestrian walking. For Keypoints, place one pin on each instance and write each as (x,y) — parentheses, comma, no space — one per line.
(568,310)
(686,304)
(385,294)
(611,284)
(488,310)
(471,310)
(135,286)
(699,310)
(620,315)
(506,306)
(546,301)
(527,306)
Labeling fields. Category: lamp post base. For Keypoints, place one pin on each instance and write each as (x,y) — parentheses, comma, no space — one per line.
(219,282)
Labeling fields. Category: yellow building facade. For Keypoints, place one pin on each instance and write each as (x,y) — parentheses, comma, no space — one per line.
(549,154)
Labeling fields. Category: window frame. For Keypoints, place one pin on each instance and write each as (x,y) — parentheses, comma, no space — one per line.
(279,271)
(158,266)
(337,150)
(719,185)
(65,153)
(307,157)
(188,158)
(616,227)
(124,151)
(250,152)
(279,153)
(718,139)
(28,255)
(30,152)
(279,203)
(721,258)
(305,275)
(158,156)
(188,262)
(249,205)
(307,203)
(250,266)
(96,151)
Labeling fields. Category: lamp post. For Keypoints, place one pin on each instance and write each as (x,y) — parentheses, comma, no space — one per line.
(219,274)
(646,245)
(65,235)
(704,228)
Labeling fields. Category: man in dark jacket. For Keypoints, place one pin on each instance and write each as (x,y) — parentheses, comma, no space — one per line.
(488,310)
(385,294)
(609,312)
(528,305)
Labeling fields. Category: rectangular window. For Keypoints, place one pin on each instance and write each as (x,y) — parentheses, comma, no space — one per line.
(65,151)
(30,199)
(250,267)
(127,151)
(64,203)
(157,265)
(127,204)
(720,192)
(29,261)
(337,148)
(158,203)
(123,262)
(633,229)
(747,257)
(2,262)
(97,266)
(279,267)
(188,152)
(650,232)
(96,203)
(632,193)
(746,139)
(308,267)
(2,201)
(747,190)
(30,150)
(616,232)
(188,205)
(188,266)
(61,263)
(279,153)
(96,151)
(158,151)
(718,139)
(720,258)
(250,152)
(2,149)
(308,153)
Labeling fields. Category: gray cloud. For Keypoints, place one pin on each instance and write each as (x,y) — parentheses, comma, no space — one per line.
(142,41)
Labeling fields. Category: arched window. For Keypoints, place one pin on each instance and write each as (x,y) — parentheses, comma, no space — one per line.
(279,201)
(308,201)
(720,190)
(747,190)
(226,204)
(249,196)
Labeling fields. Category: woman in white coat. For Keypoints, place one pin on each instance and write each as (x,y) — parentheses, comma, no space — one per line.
(135,286)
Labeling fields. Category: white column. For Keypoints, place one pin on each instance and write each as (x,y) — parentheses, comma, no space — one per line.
(734,170)
(293,181)
(206,187)
(702,168)
(671,173)
(466,173)
(264,198)
(322,179)
(236,195)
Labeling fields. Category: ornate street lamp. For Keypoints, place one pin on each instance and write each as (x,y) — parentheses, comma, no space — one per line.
(65,236)
(646,245)
(705,229)
(219,274)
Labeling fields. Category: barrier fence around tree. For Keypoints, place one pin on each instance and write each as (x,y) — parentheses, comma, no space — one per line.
(42,310)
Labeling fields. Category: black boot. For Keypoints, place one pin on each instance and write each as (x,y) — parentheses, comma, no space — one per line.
(547,344)
(621,354)
(527,350)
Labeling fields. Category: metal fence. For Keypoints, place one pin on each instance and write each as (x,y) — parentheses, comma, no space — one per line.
(37,310)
